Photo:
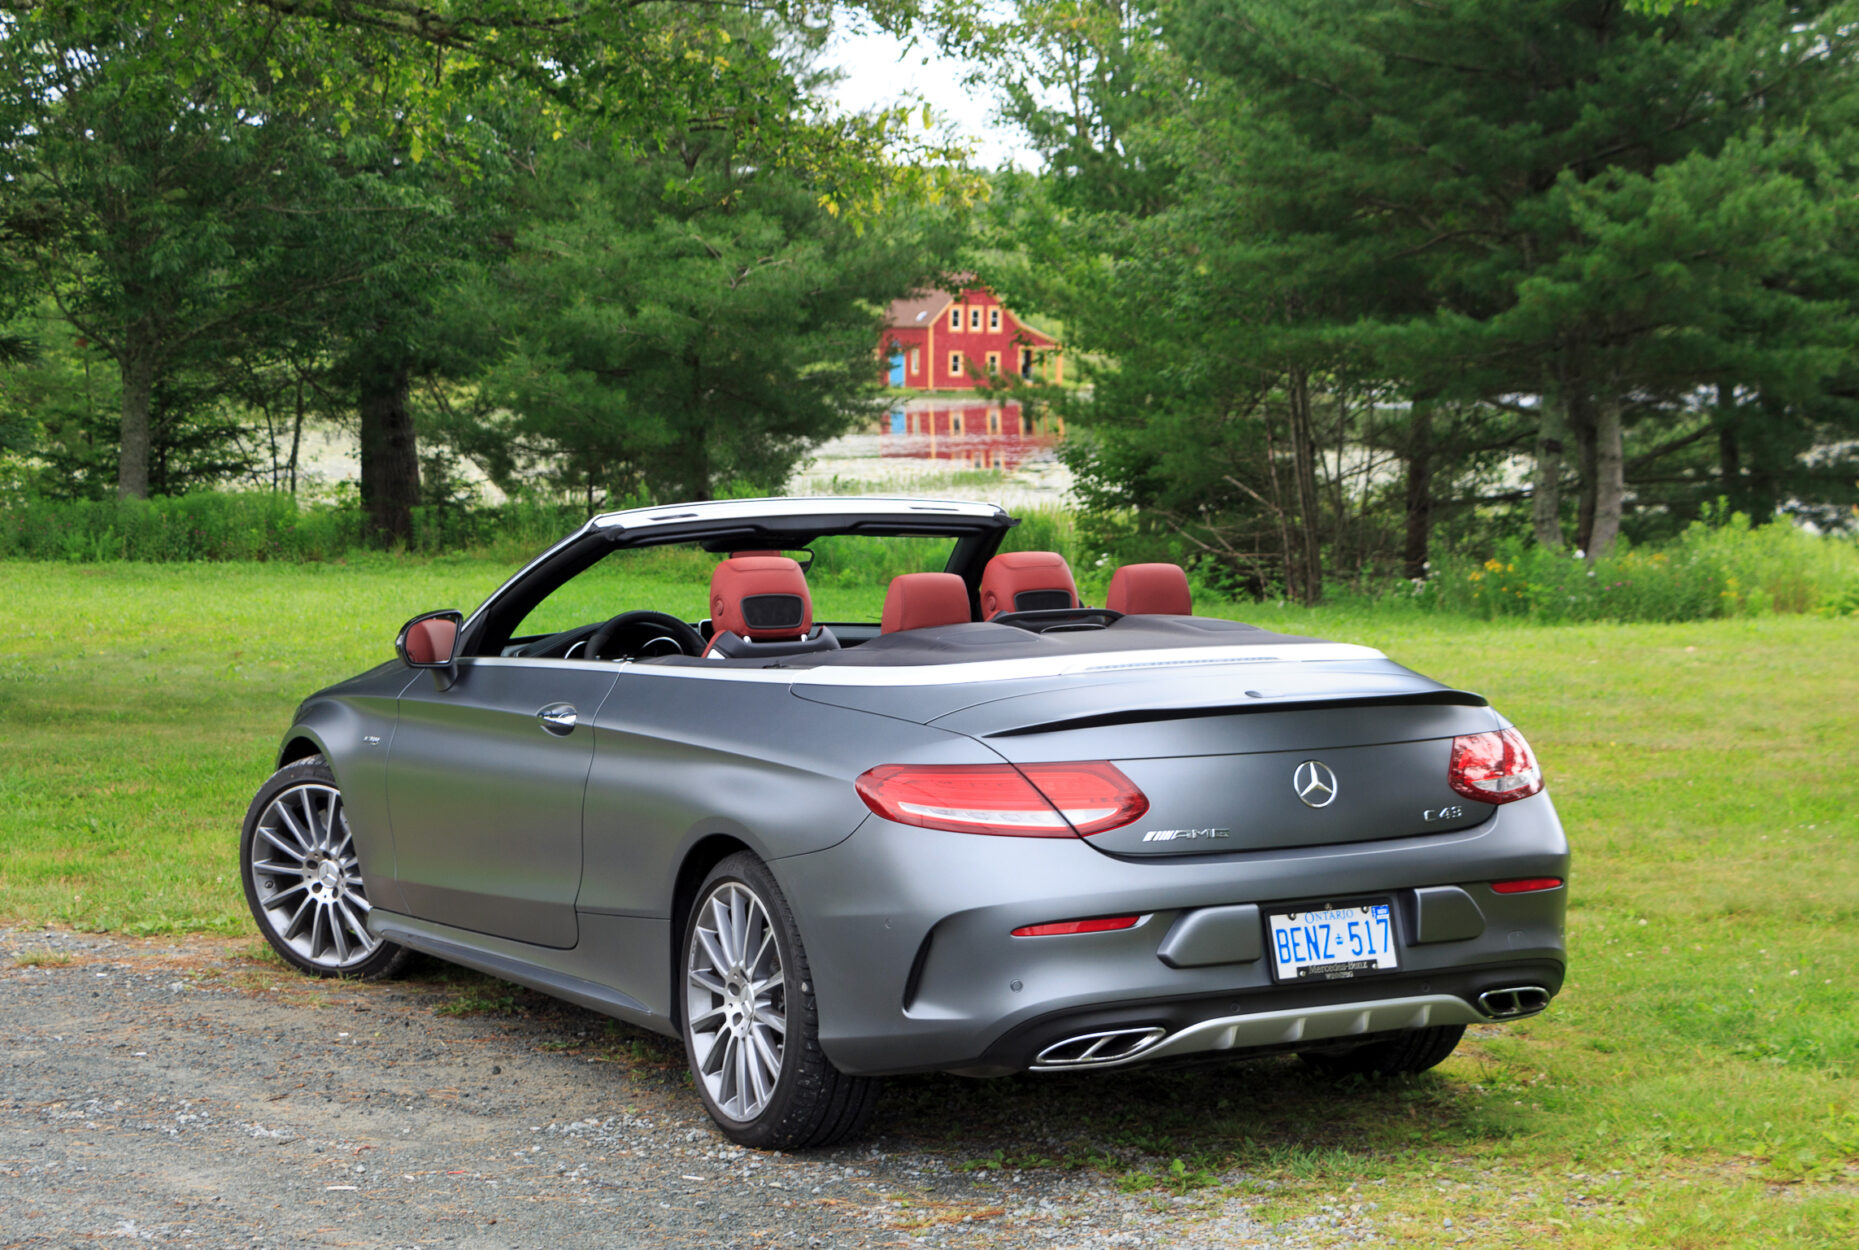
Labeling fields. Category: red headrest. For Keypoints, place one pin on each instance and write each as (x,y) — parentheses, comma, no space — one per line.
(919,600)
(430,641)
(1026,581)
(1151,590)
(760,597)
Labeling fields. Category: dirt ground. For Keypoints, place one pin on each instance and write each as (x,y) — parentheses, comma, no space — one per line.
(194,1092)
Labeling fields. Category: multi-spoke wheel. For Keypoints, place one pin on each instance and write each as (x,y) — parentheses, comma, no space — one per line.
(303,878)
(751,1029)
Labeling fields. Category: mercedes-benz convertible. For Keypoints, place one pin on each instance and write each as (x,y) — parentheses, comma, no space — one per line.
(684,769)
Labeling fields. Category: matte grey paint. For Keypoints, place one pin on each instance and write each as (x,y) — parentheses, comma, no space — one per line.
(485,802)
(1445,913)
(1214,935)
(677,760)
(584,975)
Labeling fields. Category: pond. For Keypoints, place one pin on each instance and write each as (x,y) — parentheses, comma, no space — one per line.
(993,436)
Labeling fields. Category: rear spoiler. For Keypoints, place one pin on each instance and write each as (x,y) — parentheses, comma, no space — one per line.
(1257,701)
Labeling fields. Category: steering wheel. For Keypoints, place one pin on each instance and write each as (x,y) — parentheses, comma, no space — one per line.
(662,624)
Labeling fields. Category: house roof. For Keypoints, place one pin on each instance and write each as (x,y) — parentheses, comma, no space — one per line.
(917,309)
(924,307)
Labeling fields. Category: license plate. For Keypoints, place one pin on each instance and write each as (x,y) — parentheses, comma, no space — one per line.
(1332,943)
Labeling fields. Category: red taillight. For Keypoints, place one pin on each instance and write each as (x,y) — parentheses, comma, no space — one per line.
(1494,767)
(1103,924)
(1030,801)
(1526,885)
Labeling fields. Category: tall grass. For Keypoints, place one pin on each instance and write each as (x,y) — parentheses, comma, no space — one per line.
(1711,571)
(213,526)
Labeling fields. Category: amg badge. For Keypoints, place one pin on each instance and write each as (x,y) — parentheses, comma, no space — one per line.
(1176,835)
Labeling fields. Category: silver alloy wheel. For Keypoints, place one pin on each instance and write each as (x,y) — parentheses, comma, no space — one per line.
(735,1001)
(307,879)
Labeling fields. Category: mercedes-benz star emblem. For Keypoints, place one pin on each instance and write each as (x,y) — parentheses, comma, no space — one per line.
(1315,784)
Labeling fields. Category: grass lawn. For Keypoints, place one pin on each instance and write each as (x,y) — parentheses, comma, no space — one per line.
(1693,1085)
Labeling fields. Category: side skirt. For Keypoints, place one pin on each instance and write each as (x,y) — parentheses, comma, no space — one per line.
(557,973)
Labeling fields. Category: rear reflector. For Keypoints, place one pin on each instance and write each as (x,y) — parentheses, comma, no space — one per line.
(1103,924)
(1494,767)
(1527,885)
(1030,801)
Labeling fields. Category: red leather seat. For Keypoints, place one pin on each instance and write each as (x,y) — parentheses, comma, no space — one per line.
(1150,590)
(1026,581)
(759,605)
(920,600)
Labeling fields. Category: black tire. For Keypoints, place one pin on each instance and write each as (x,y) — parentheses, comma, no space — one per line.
(799,1099)
(1413,1051)
(302,880)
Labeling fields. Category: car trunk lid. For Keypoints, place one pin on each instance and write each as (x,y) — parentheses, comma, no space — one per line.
(1254,759)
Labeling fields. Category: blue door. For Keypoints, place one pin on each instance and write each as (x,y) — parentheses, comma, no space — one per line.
(897,369)
(899,421)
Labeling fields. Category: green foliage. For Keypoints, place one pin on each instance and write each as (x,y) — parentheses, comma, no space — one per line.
(220,192)
(182,185)
(1508,216)
(683,325)
(1710,571)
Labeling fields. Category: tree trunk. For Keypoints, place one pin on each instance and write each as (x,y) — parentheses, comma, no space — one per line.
(1546,484)
(1581,425)
(390,462)
(137,366)
(296,439)
(1729,453)
(1610,483)
(1419,491)
(1304,466)
(1287,549)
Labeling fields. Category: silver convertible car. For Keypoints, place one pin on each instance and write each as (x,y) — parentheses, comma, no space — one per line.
(660,775)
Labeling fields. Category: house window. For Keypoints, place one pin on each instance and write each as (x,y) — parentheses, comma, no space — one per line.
(994,318)
(974,318)
(955,319)
(916,363)
(994,363)
(994,420)
(955,364)
(955,424)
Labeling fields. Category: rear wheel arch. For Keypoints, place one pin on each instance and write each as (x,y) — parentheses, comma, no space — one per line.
(707,853)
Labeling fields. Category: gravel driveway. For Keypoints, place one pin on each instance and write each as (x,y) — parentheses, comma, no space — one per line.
(194,1093)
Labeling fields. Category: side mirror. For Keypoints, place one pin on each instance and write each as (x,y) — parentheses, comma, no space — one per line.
(428,640)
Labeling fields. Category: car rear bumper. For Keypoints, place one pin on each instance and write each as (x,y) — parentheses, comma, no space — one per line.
(909,934)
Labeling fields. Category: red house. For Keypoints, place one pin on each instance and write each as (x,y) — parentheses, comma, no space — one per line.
(938,341)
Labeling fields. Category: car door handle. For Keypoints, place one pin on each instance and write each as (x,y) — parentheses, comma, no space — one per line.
(558,718)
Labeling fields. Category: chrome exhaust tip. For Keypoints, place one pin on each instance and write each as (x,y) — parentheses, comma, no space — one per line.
(1513,1002)
(1089,1049)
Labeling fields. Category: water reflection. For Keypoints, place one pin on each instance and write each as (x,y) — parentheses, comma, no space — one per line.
(976,436)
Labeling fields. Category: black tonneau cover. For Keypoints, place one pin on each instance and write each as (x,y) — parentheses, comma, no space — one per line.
(978,641)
